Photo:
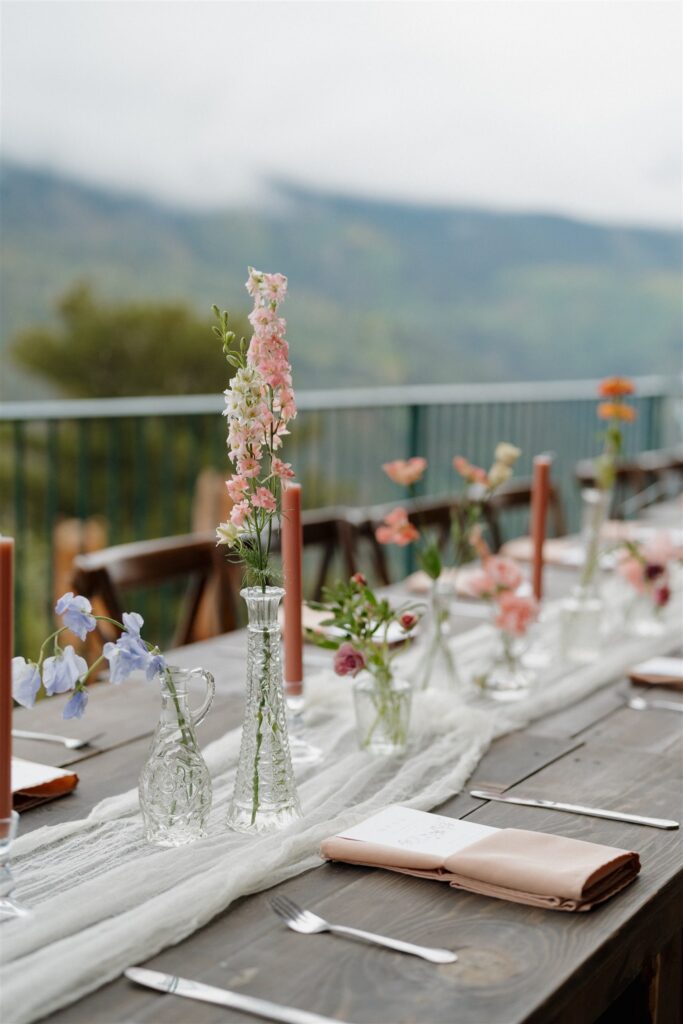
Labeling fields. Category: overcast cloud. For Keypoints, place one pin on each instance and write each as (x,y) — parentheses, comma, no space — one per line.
(568,106)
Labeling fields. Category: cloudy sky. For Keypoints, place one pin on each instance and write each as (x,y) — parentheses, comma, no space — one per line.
(572,106)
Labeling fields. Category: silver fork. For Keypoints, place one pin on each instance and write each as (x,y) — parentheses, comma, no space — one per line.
(49,737)
(308,923)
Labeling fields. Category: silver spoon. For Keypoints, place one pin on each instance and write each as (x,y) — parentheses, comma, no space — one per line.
(640,704)
(48,737)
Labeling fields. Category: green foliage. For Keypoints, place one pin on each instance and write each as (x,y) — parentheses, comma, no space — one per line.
(101,349)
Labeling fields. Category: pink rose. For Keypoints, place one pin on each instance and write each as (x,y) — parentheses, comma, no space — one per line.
(408,620)
(397,529)
(263,498)
(360,579)
(515,613)
(405,471)
(348,661)
(633,571)
(505,573)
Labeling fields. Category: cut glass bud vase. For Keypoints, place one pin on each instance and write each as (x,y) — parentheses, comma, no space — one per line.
(175,785)
(265,797)
(582,612)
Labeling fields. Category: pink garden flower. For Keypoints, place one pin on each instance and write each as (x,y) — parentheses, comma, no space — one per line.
(515,613)
(504,573)
(264,498)
(473,474)
(248,466)
(633,571)
(281,469)
(348,661)
(239,514)
(237,487)
(397,529)
(480,584)
(405,471)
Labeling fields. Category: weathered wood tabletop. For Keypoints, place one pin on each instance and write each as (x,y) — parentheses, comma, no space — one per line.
(622,959)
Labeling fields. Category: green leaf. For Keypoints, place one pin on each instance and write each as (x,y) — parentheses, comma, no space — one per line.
(430,559)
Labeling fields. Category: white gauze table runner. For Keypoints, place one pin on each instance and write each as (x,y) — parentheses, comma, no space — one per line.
(104,899)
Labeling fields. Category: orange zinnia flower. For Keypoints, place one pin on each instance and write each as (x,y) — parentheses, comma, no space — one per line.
(616,411)
(615,387)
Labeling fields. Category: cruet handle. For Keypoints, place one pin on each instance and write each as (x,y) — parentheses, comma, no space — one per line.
(200,714)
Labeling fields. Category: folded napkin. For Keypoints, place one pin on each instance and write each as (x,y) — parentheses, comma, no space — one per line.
(659,672)
(420,583)
(533,868)
(33,783)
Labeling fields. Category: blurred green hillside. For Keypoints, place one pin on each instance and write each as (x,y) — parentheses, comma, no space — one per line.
(379,292)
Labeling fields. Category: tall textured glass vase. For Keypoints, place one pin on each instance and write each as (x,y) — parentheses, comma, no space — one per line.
(265,797)
(175,785)
(582,611)
(439,669)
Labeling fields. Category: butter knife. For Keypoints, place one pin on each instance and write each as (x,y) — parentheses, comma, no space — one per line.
(592,812)
(223,997)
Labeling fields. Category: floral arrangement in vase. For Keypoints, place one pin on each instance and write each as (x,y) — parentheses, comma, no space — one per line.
(175,786)
(582,611)
(259,405)
(467,544)
(646,567)
(367,633)
(499,581)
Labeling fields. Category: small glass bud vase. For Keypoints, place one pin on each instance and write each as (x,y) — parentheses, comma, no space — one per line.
(175,785)
(508,677)
(582,611)
(382,712)
(439,670)
(265,797)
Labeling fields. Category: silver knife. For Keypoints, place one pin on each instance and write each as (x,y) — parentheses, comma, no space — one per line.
(593,812)
(223,997)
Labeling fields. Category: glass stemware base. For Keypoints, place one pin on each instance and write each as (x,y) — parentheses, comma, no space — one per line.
(10,907)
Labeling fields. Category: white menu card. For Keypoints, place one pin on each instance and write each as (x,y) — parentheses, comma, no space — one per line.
(417,831)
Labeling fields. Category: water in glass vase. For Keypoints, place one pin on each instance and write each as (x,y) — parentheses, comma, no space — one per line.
(582,612)
(382,713)
(175,785)
(265,797)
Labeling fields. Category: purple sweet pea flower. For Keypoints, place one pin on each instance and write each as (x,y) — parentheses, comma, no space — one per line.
(77,612)
(125,656)
(133,623)
(76,706)
(156,664)
(25,682)
(62,672)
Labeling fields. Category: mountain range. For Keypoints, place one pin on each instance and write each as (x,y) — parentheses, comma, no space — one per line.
(380,292)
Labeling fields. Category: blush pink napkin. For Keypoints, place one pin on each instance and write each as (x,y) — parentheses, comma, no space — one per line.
(533,868)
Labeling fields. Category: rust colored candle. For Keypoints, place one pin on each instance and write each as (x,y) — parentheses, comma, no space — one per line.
(6,642)
(292,564)
(539,509)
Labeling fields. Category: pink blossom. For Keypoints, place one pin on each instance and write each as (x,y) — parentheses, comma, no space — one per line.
(408,620)
(281,469)
(659,549)
(239,513)
(405,471)
(473,474)
(237,486)
(348,661)
(248,466)
(515,613)
(274,287)
(397,529)
(633,571)
(480,584)
(263,498)
(504,573)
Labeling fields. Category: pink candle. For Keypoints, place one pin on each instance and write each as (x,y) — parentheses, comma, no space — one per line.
(6,644)
(292,545)
(539,508)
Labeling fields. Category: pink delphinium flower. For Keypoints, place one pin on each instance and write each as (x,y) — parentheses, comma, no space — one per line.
(248,466)
(397,529)
(239,513)
(264,498)
(505,574)
(281,469)
(348,661)
(515,613)
(237,487)
(405,471)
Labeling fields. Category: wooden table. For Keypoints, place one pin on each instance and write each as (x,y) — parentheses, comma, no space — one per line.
(622,960)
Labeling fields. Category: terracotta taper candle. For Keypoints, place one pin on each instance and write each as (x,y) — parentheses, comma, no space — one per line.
(539,509)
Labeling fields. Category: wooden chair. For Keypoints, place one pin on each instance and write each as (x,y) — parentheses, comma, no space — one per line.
(641,481)
(515,495)
(103,576)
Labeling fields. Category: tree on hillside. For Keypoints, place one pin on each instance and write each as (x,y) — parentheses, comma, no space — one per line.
(100,349)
